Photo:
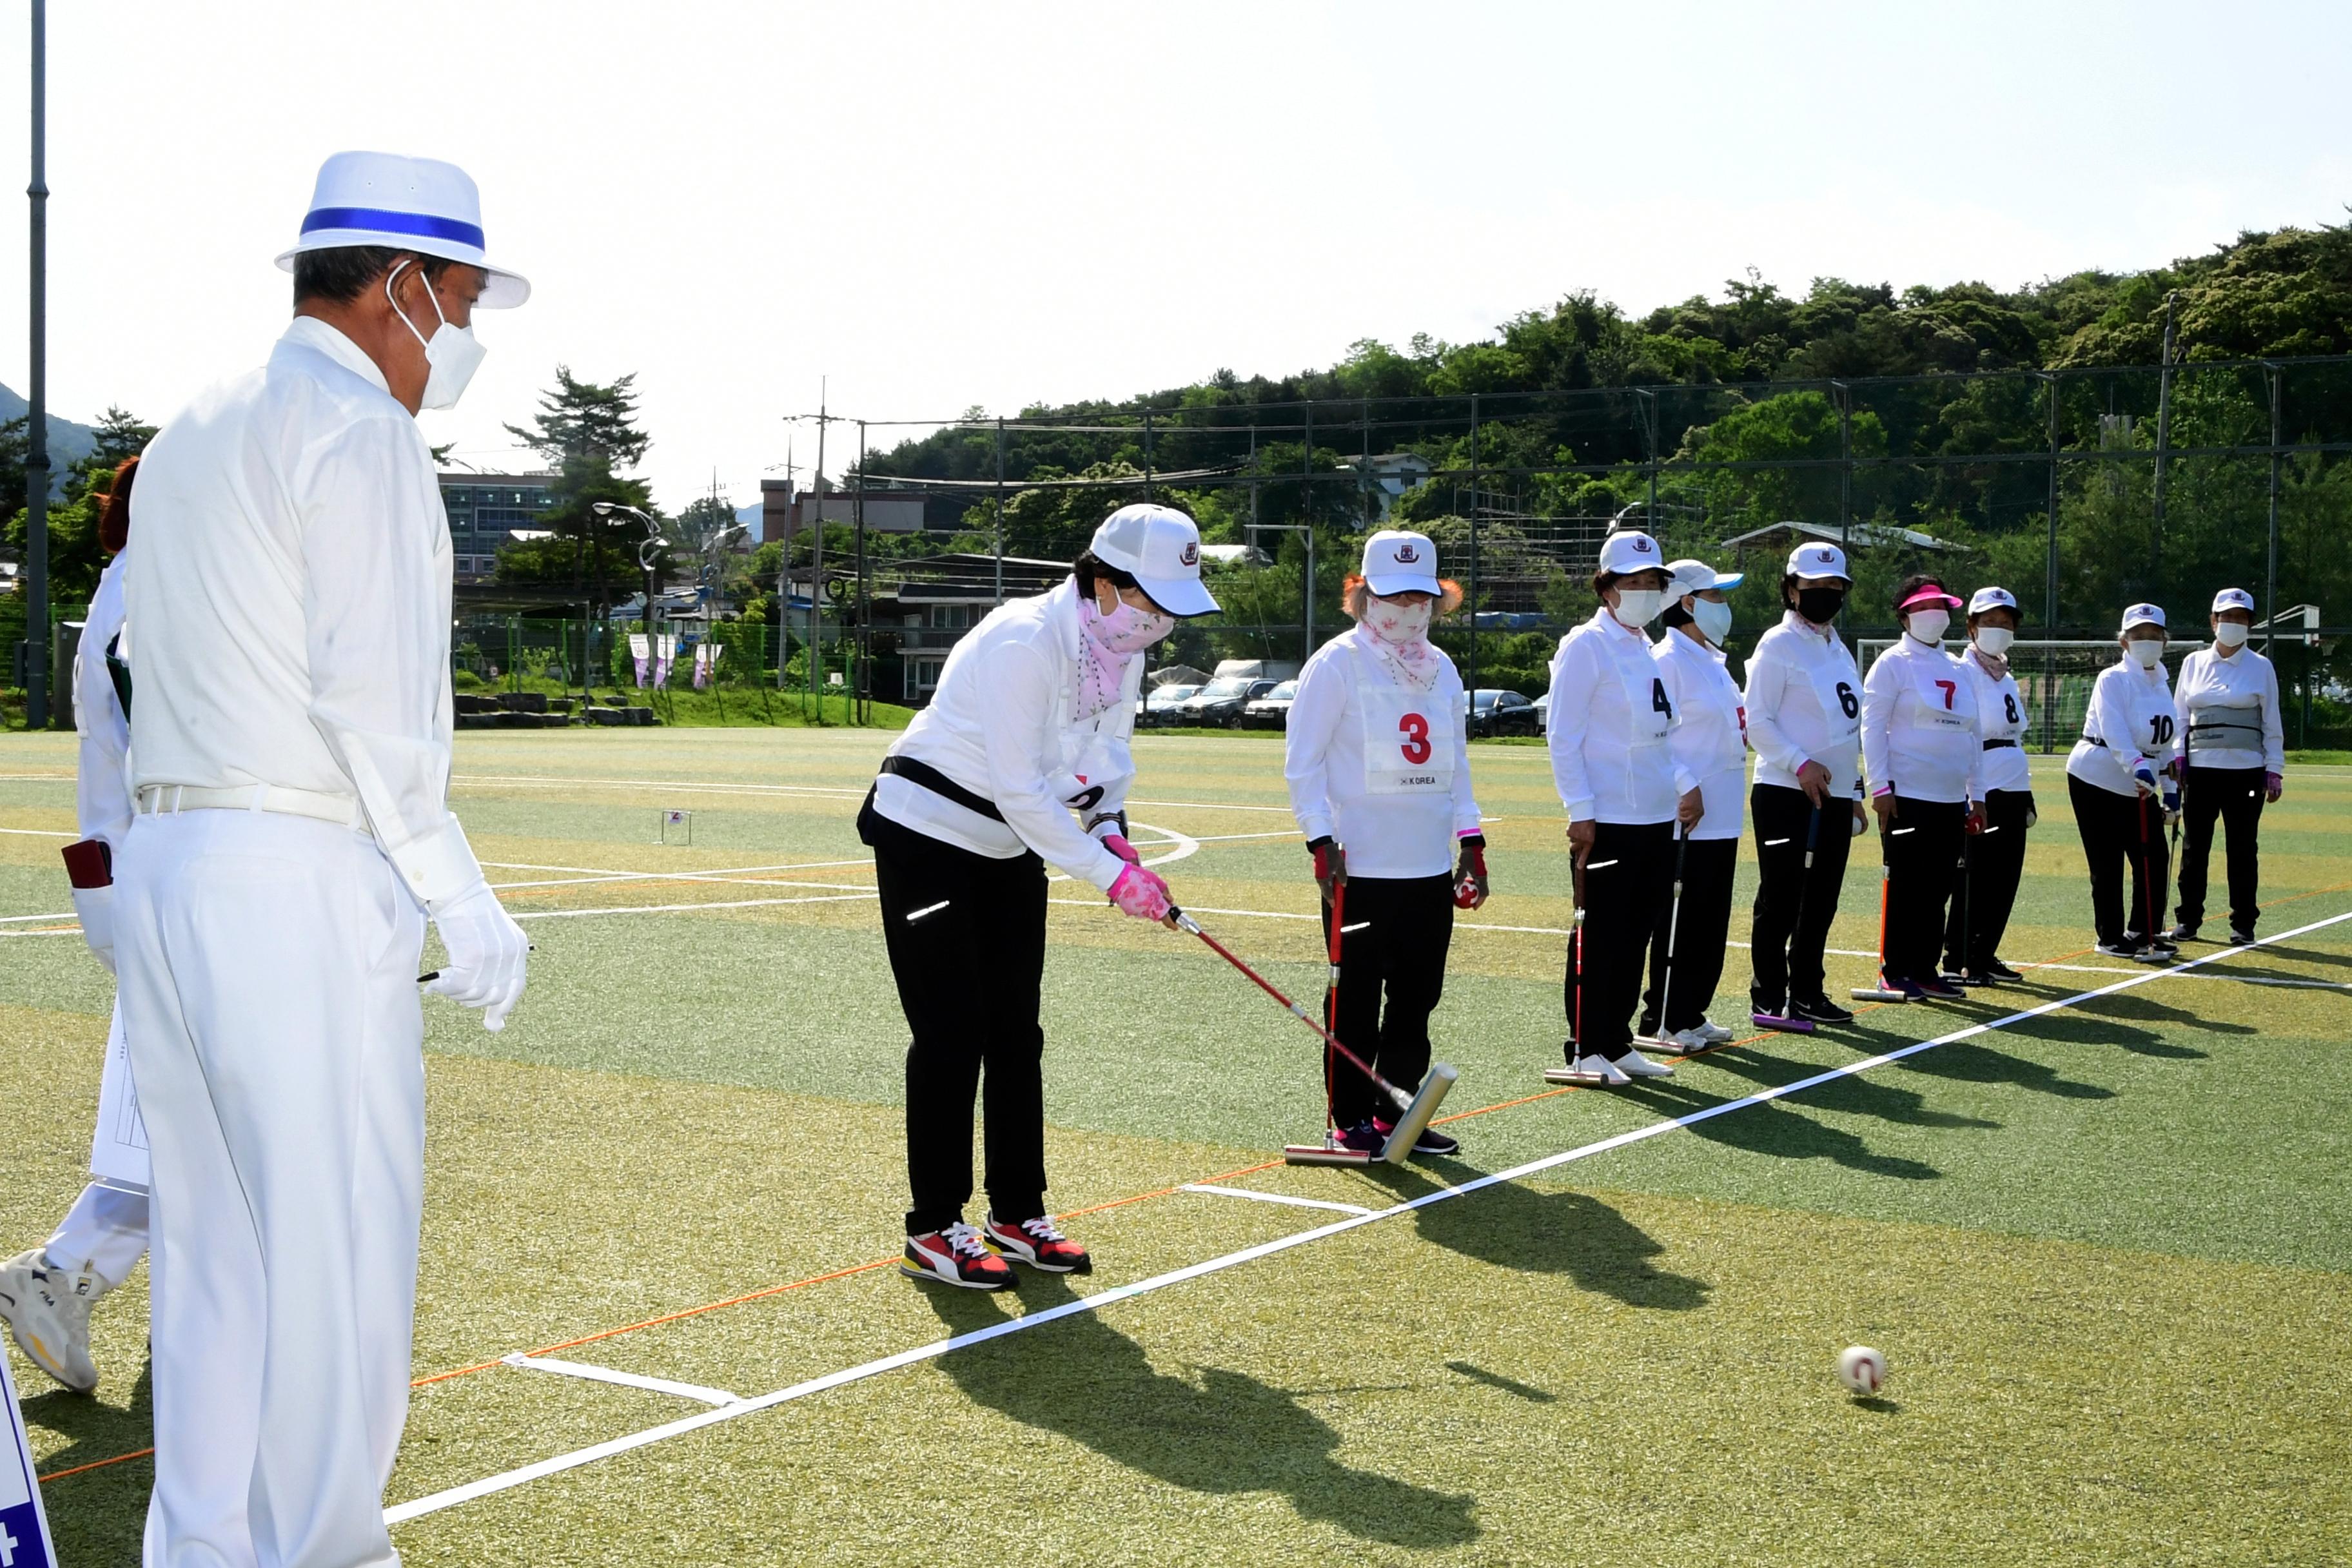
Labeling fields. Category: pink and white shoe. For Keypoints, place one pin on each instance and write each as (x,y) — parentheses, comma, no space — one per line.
(1037,1243)
(955,1256)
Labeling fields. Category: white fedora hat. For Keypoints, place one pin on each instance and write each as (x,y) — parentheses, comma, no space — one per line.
(406,203)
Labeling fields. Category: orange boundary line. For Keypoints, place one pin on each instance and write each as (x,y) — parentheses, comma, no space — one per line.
(868,1267)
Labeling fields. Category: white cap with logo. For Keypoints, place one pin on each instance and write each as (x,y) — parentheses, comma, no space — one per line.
(1630,550)
(1160,548)
(403,204)
(2233,599)
(1687,577)
(1819,560)
(1985,599)
(2144,615)
(1396,562)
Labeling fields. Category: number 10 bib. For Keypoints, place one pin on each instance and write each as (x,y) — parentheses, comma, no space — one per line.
(1408,741)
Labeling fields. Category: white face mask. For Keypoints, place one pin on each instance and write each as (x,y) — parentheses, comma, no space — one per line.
(1927,625)
(2230,634)
(1714,620)
(1400,624)
(1125,631)
(2147,653)
(453,353)
(1995,640)
(1637,607)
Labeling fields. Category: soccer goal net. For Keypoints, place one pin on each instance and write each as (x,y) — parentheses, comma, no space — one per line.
(2055,678)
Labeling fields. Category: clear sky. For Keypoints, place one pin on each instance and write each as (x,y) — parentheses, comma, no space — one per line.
(941,206)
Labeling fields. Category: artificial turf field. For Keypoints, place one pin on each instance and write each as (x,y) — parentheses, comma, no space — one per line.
(2107,1250)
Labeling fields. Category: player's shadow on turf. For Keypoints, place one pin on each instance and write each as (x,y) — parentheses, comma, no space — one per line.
(2082,1026)
(1773,1127)
(1856,1093)
(98,1517)
(1218,1432)
(1561,1232)
(1969,1061)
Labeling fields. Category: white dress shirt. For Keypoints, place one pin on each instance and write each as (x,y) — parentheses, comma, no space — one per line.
(291,599)
(1001,726)
(103,780)
(2001,716)
(2129,721)
(1919,737)
(1801,681)
(1608,725)
(1377,763)
(1709,739)
(2232,698)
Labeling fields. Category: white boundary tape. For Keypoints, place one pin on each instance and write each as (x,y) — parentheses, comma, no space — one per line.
(693,1390)
(435,1502)
(1213,1190)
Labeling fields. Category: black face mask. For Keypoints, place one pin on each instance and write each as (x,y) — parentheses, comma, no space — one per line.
(1819,606)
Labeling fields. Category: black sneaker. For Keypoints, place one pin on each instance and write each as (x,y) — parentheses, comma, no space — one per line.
(2160,950)
(2126,948)
(1363,1138)
(1431,1141)
(2240,938)
(1820,1010)
(1953,974)
(1941,989)
(1996,973)
(2185,931)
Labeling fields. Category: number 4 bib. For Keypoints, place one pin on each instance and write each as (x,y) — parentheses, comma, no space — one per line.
(1408,741)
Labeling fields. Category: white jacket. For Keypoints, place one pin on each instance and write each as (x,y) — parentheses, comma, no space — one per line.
(1000,726)
(2129,721)
(1608,726)
(1805,705)
(2227,701)
(2001,716)
(1378,763)
(1919,737)
(1709,739)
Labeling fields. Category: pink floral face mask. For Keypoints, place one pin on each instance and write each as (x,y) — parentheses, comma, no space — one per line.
(1397,624)
(1125,631)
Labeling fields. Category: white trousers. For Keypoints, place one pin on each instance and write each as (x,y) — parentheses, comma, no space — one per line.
(104,1232)
(268,982)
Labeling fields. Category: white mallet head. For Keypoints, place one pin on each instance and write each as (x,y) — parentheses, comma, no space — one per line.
(1862,1369)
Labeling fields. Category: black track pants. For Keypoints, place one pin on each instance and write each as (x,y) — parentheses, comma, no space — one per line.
(1397,933)
(2235,795)
(1794,911)
(1628,876)
(1699,940)
(2119,830)
(1984,900)
(968,972)
(1923,861)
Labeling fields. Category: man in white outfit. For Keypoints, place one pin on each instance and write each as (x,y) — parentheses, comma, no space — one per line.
(290,753)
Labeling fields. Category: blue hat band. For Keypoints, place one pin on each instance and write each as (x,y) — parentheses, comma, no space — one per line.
(383,219)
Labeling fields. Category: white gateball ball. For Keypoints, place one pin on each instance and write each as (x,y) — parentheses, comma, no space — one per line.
(1862,1369)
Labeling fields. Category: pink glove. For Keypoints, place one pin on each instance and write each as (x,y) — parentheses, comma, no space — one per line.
(1141,893)
(1122,849)
(2273,786)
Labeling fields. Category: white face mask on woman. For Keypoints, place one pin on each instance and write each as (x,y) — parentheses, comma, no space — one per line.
(1714,620)
(2146,652)
(1927,625)
(2230,634)
(1637,607)
(1995,640)
(1397,623)
(452,352)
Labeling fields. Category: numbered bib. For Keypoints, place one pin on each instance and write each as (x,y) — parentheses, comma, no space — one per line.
(1947,702)
(1408,741)
(1652,711)
(1840,693)
(2007,721)
(1091,764)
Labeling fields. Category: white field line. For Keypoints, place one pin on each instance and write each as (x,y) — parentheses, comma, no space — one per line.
(832,791)
(688,909)
(693,1390)
(33,920)
(37,833)
(1212,1190)
(437,1501)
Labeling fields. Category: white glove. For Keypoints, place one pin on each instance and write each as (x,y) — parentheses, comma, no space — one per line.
(95,908)
(484,968)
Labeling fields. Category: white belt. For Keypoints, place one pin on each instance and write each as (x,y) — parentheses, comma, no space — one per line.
(340,809)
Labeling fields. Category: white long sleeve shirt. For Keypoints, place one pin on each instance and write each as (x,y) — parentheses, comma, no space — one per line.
(102,779)
(2129,721)
(291,601)
(1001,726)
(1377,763)
(2001,716)
(1608,725)
(1805,705)
(2233,704)
(1919,737)
(1709,739)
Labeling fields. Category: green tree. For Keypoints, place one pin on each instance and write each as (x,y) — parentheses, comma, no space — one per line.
(587,433)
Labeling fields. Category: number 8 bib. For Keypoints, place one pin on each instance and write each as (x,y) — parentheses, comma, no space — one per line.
(1408,741)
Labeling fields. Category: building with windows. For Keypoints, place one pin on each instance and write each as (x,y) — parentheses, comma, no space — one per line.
(484,508)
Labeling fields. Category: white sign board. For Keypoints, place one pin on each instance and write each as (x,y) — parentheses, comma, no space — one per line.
(24,1528)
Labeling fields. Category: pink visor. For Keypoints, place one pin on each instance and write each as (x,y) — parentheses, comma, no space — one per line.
(1929,594)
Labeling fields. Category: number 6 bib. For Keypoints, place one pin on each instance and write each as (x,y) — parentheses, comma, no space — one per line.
(1408,741)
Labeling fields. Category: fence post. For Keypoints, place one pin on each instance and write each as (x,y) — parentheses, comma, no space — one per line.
(1845,467)
(2050,587)
(2270,586)
(1472,684)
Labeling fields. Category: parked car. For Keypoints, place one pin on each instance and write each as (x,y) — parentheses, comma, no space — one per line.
(1160,704)
(1494,712)
(1221,702)
(1543,714)
(1271,712)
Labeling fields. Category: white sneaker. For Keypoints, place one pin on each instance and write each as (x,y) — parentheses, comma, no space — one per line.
(1634,1064)
(1713,1032)
(47,1310)
(1588,1069)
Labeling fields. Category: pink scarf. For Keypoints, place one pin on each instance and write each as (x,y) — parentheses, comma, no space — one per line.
(1415,663)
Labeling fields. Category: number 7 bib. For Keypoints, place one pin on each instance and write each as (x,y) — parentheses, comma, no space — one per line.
(1408,741)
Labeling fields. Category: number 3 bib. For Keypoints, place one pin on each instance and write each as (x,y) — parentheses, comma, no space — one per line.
(1408,743)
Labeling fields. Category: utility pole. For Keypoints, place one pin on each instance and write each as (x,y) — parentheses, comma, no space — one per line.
(37,639)
(816,559)
(2270,590)
(2163,445)
(999,508)
(2049,696)
(784,561)
(1471,684)
(858,694)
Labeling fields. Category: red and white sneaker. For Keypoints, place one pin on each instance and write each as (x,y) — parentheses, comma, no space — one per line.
(1038,1244)
(956,1256)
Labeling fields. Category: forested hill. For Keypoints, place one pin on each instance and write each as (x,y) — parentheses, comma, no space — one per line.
(2288,292)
